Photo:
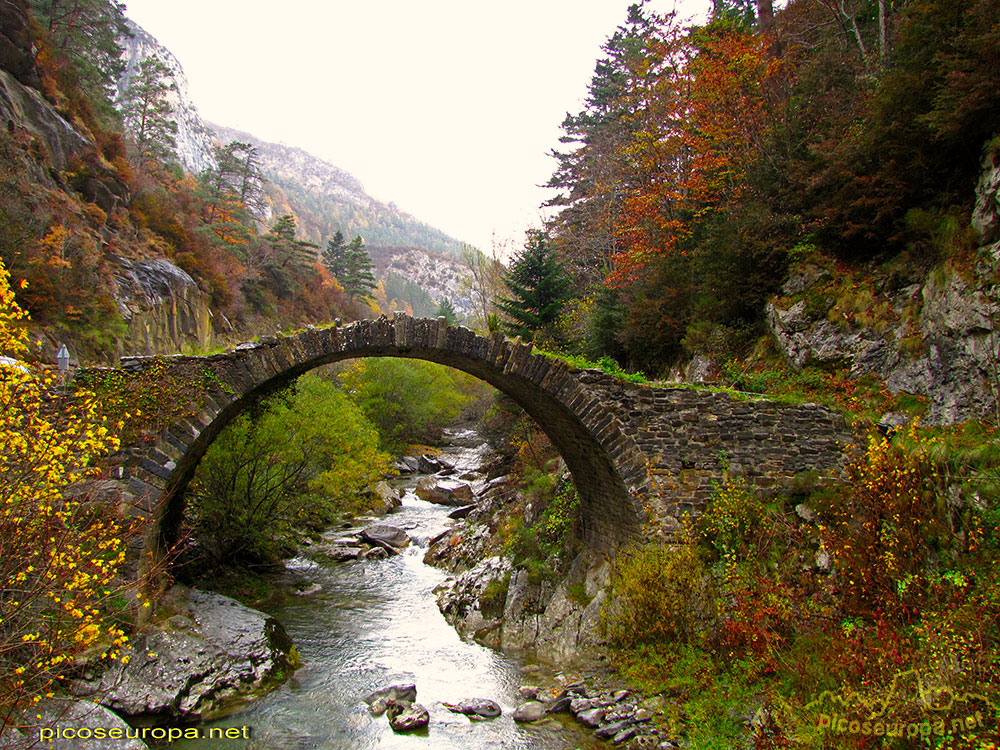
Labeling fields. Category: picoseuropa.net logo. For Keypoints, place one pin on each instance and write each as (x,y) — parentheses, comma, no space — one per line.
(891,715)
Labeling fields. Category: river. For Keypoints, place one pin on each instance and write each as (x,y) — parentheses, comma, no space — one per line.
(376,623)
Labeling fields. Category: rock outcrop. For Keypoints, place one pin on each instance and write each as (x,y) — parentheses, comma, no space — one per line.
(163,308)
(193,138)
(24,107)
(201,662)
(935,337)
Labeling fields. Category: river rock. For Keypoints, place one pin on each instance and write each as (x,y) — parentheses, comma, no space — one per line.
(385,498)
(579,705)
(338,553)
(307,589)
(444,491)
(429,464)
(379,701)
(407,465)
(475,708)
(528,692)
(405,716)
(607,731)
(385,534)
(76,715)
(625,734)
(530,711)
(209,656)
(461,512)
(593,717)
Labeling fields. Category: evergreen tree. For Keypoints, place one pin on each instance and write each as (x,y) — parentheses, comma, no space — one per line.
(539,288)
(447,311)
(360,280)
(147,114)
(233,189)
(350,264)
(85,34)
(285,248)
(335,256)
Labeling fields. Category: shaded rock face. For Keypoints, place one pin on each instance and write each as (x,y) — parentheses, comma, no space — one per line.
(16,43)
(26,108)
(986,215)
(939,339)
(953,367)
(199,663)
(163,307)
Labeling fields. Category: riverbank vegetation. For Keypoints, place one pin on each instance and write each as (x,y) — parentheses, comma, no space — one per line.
(61,600)
(308,457)
(877,600)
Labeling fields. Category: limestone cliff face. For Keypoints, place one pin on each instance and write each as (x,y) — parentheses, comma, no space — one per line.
(163,308)
(194,138)
(24,107)
(935,337)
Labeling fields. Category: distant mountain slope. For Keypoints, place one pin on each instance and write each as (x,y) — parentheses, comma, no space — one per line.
(323,197)
(326,199)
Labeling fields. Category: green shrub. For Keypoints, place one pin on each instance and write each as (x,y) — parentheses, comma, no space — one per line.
(296,462)
(658,594)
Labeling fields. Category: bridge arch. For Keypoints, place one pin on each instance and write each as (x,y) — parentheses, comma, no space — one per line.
(608,468)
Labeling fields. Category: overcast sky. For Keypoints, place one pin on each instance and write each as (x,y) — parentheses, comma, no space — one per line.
(446,107)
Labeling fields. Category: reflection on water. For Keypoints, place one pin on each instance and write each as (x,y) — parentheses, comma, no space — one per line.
(375,623)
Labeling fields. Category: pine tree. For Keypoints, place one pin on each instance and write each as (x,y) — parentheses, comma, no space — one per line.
(360,280)
(447,311)
(335,256)
(146,112)
(285,248)
(351,265)
(539,287)
(85,33)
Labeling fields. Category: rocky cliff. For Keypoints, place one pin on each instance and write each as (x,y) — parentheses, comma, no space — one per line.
(194,139)
(163,307)
(933,335)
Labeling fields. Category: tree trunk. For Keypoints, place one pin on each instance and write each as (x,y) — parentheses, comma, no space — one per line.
(765,15)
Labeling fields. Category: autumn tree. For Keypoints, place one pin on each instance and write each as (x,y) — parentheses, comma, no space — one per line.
(147,112)
(59,554)
(484,282)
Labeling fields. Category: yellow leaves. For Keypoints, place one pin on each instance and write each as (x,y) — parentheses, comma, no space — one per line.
(59,558)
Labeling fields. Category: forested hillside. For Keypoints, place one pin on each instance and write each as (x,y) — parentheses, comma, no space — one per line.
(114,245)
(706,161)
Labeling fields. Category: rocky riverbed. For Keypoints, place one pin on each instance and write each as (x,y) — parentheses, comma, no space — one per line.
(364,605)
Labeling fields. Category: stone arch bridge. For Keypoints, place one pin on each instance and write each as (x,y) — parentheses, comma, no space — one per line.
(640,456)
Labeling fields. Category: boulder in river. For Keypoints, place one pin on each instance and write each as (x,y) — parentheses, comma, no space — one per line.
(211,655)
(405,716)
(380,699)
(382,534)
(407,465)
(475,708)
(385,498)
(461,512)
(444,491)
(529,711)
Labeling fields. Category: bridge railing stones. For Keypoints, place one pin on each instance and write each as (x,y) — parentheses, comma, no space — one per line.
(640,456)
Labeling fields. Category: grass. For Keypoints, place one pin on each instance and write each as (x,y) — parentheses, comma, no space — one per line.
(605,364)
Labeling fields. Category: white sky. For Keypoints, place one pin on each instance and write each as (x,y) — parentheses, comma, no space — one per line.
(446,107)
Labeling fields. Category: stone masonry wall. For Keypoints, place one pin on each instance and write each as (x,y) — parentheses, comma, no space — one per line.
(640,456)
